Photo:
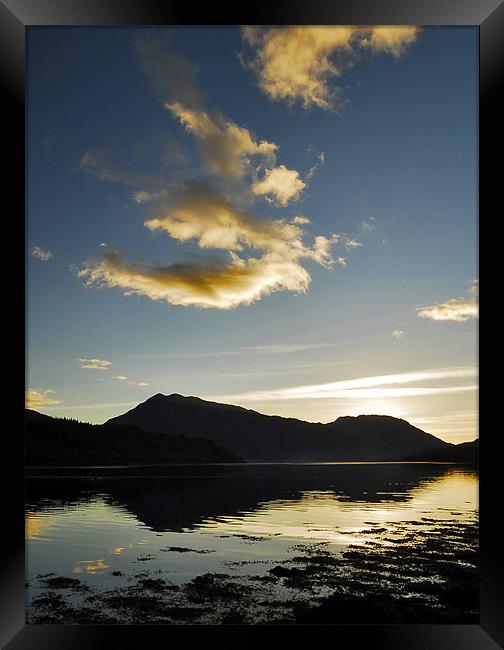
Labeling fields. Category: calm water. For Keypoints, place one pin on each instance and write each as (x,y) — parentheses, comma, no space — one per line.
(109,526)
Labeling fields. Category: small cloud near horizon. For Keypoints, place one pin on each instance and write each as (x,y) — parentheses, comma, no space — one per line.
(367,225)
(458,310)
(95,364)
(36,398)
(41,254)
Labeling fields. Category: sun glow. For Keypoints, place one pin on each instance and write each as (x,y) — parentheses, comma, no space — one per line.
(396,409)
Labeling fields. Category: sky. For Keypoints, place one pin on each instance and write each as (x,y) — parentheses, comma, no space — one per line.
(283,219)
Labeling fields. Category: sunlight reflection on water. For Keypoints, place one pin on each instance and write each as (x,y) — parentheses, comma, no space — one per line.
(129,525)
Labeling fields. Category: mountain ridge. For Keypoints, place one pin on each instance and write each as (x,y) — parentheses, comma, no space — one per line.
(262,438)
(53,441)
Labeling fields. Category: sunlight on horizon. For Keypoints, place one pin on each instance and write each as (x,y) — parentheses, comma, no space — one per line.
(449,412)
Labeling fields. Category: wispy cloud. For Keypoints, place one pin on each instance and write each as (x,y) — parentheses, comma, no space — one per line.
(134,382)
(384,393)
(390,39)
(229,151)
(366,387)
(297,64)
(449,419)
(97,406)
(172,76)
(460,426)
(35,398)
(455,309)
(233,153)
(226,148)
(130,381)
(350,243)
(321,158)
(41,254)
(95,364)
(254,350)
(286,369)
(285,348)
(99,163)
(398,333)
(367,225)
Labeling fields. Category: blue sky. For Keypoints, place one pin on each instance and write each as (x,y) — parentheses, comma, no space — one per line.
(139,140)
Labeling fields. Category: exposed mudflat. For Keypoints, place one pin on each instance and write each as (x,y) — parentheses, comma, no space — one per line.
(429,576)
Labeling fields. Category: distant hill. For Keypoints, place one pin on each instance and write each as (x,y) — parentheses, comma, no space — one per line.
(465,452)
(35,416)
(257,437)
(59,441)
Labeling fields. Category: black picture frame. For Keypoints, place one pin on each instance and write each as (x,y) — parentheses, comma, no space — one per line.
(488,15)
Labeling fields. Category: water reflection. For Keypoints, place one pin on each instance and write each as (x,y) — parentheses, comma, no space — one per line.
(35,524)
(90,566)
(325,516)
(111,527)
(183,498)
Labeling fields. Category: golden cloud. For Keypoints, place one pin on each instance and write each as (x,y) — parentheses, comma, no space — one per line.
(95,364)
(225,147)
(296,63)
(262,256)
(301,220)
(200,213)
(197,211)
(280,183)
(232,152)
(222,285)
(228,150)
(36,398)
(392,39)
(455,309)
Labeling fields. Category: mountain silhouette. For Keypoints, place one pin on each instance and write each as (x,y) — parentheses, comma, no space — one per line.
(262,438)
(465,452)
(60,441)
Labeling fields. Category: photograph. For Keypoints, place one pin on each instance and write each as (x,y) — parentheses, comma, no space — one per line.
(252,282)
